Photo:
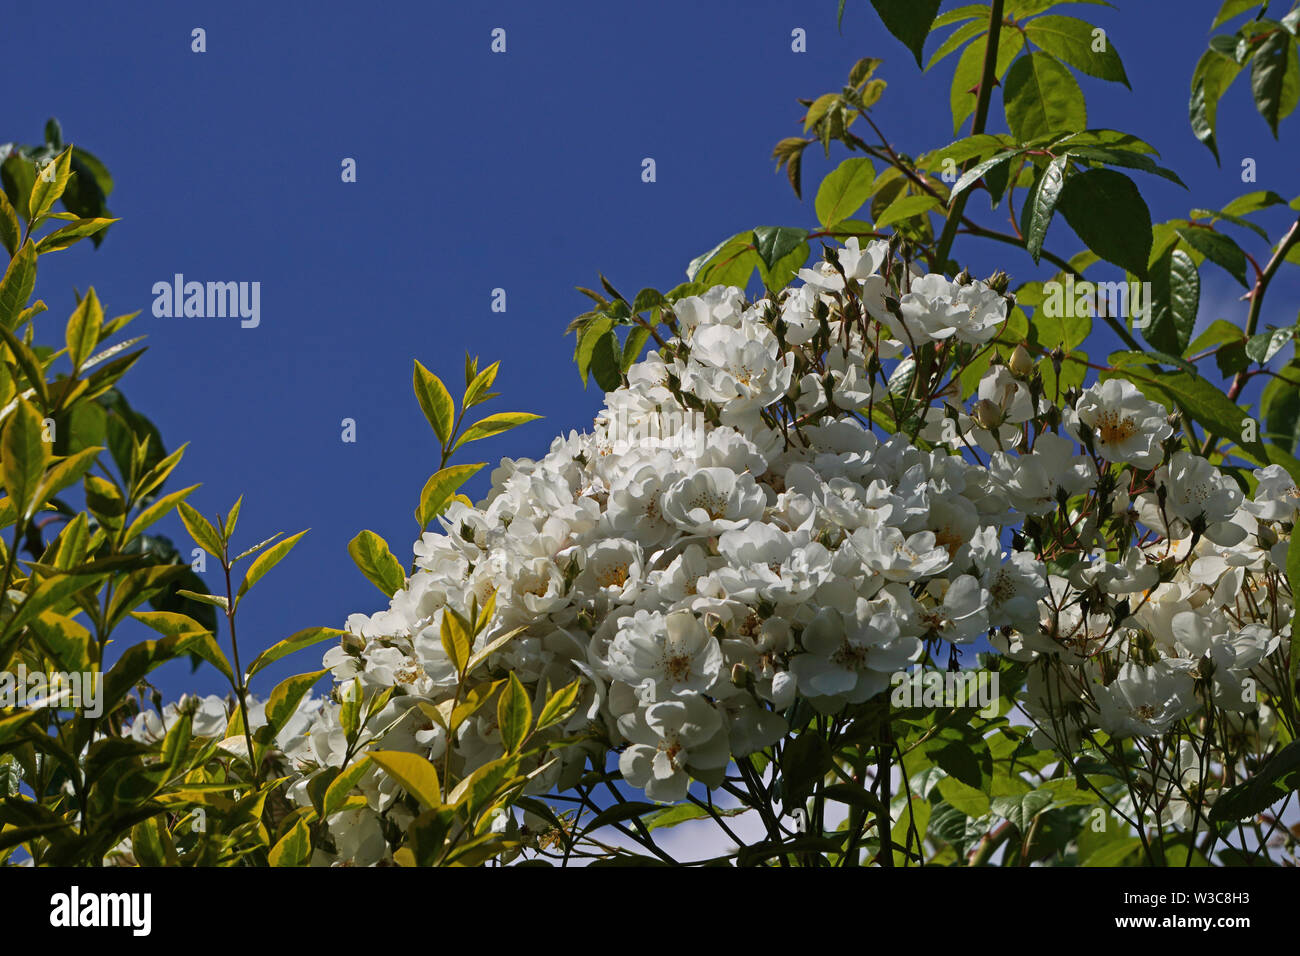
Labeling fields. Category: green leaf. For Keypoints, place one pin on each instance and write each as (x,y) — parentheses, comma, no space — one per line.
(1218,248)
(25,456)
(1213,75)
(265,561)
(1114,852)
(491,647)
(494,425)
(416,775)
(1275,78)
(844,190)
(294,848)
(1175,299)
(966,77)
(560,704)
(958,14)
(292,644)
(201,530)
(49,185)
(83,328)
(1106,211)
(1075,42)
(729,263)
(1206,405)
(1040,204)
(435,401)
(198,637)
(1262,347)
(977,172)
(1266,786)
(905,207)
(1232,8)
(341,786)
(438,491)
(72,233)
(17,285)
(32,367)
(589,336)
(684,813)
(1123,157)
(636,340)
(804,761)
(11,232)
(774,243)
(1279,408)
(457,640)
(216,600)
(606,362)
(514,714)
(1040,96)
(284,701)
(137,661)
(963,34)
(376,562)
(908,20)
(18,175)
(477,390)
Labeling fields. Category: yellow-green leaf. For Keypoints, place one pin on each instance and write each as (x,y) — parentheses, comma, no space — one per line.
(11,232)
(201,530)
(439,489)
(337,792)
(50,183)
(265,561)
(435,401)
(376,561)
(83,329)
(417,776)
(72,233)
(294,847)
(284,700)
(559,705)
(494,425)
(514,714)
(292,644)
(25,455)
(456,639)
(156,511)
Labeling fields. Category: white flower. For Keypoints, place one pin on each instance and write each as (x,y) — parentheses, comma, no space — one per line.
(668,738)
(848,658)
(1125,426)
(664,655)
(1197,497)
(1144,701)
(713,500)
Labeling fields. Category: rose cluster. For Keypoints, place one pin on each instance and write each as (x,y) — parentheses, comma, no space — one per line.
(788,503)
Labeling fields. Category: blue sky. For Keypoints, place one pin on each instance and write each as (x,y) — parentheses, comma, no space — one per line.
(475,171)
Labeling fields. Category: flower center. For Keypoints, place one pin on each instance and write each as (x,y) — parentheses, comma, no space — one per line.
(613,577)
(1115,430)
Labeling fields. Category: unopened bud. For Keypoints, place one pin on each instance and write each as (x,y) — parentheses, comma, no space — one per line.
(987,414)
(963,277)
(739,674)
(998,282)
(1022,363)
